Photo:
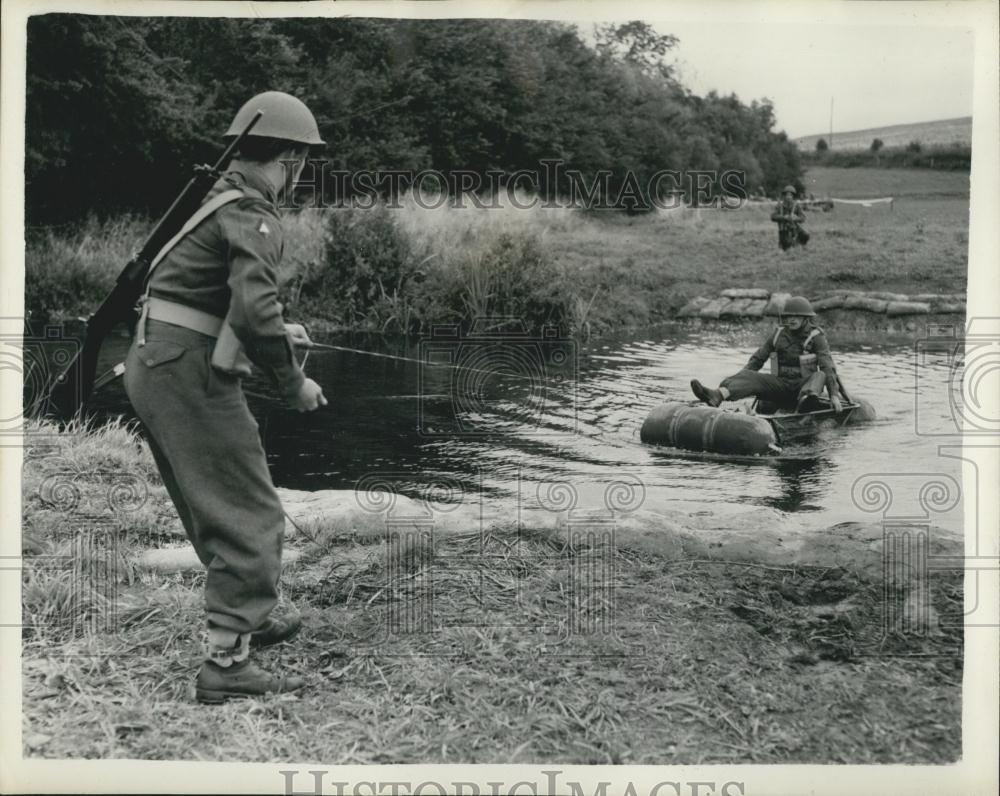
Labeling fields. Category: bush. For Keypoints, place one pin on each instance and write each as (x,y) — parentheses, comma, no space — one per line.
(365,266)
(407,267)
(69,270)
(914,146)
(508,274)
(821,145)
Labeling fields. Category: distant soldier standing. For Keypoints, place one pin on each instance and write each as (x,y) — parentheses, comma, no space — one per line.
(790,218)
(210,309)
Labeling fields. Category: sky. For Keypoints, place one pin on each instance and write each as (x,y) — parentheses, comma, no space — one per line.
(876,75)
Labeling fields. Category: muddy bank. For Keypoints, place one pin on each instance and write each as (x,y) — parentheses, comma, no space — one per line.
(692,531)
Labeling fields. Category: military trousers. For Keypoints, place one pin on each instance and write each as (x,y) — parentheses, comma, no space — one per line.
(208,450)
(785,392)
(791,236)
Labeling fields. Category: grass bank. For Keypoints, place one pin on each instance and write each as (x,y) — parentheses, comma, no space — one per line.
(707,661)
(403,269)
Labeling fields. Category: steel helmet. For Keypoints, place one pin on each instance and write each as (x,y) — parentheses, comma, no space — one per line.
(798,305)
(285,117)
(788,189)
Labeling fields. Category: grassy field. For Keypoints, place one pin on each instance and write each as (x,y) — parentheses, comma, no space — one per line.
(602,271)
(942,131)
(708,662)
(647,267)
(907,185)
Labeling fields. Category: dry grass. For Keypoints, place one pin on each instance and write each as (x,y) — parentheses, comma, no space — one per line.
(485,649)
(450,226)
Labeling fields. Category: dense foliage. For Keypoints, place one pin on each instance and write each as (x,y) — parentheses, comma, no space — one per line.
(119,107)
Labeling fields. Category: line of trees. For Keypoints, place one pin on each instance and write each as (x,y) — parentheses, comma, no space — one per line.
(119,107)
(914,155)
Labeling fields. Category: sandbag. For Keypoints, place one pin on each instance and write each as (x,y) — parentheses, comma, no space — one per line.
(745,293)
(705,428)
(734,308)
(711,310)
(950,306)
(829,303)
(884,296)
(840,292)
(756,308)
(907,308)
(693,307)
(865,303)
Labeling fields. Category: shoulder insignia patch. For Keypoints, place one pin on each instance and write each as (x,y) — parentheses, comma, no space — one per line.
(264,229)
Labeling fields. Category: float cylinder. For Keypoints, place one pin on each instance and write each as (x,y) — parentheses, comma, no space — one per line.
(704,428)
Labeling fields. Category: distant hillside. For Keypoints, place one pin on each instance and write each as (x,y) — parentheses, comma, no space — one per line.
(943,131)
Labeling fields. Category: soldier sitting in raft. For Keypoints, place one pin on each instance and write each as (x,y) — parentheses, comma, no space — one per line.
(801,366)
(789,216)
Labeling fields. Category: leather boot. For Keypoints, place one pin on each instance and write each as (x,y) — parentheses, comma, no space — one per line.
(808,403)
(216,684)
(705,394)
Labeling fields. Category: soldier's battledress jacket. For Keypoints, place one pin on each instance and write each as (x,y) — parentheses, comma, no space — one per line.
(789,346)
(228,267)
(785,212)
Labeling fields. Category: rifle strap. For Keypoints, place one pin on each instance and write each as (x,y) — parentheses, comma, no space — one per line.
(207,209)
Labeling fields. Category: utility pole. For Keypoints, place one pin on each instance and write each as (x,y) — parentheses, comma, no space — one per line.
(831,122)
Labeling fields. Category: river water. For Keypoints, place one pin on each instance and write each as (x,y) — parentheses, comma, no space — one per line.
(535,420)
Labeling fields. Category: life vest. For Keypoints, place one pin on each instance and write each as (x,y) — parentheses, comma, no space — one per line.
(807,364)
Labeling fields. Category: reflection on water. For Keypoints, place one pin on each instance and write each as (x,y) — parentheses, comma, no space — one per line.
(502,435)
(801,486)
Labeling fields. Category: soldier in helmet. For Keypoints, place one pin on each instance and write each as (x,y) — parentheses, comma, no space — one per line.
(801,366)
(210,310)
(789,216)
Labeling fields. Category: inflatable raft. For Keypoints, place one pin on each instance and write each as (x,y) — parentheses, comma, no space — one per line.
(697,427)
